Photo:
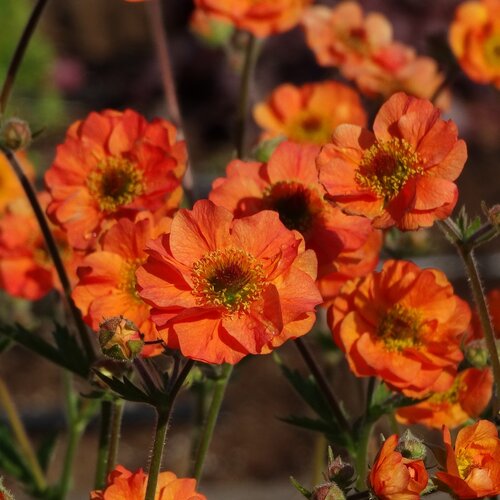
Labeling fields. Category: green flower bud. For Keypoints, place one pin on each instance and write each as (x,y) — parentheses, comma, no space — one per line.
(327,491)
(120,339)
(15,134)
(411,447)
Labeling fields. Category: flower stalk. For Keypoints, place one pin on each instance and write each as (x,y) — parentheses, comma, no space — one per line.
(103,447)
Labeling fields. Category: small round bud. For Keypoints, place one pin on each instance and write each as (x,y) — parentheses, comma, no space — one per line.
(411,447)
(327,491)
(15,134)
(212,30)
(477,354)
(339,471)
(120,338)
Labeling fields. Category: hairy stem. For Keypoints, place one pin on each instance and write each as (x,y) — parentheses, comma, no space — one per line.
(362,455)
(114,441)
(103,447)
(18,56)
(163,417)
(213,413)
(246,78)
(51,244)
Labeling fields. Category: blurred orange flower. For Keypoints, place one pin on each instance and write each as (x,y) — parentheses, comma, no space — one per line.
(473,467)
(402,174)
(107,282)
(222,288)
(26,268)
(112,165)
(212,29)
(393,477)
(343,35)
(466,398)
(402,324)
(261,17)
(126,485)
(289,184)
(351,264)
(309,114)
(10,187)
(474,37)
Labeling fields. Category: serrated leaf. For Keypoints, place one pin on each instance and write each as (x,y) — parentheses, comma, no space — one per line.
(126,389)
(71,352)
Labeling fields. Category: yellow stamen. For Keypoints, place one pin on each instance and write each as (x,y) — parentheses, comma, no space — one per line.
(128,282)
(400,328)
(115,182)
(229,278)
(465,463)
(492,50)
(387,166)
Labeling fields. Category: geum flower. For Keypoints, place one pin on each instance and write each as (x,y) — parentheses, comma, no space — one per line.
(474,38)
(289,184)
(107,282)
(402,174)
(261,18)
(467,398)
(221,288)
(123,484)
(26,268)
(310,113)
(112,165)
(402,324)
(393,477)
(343,35)
(473,467)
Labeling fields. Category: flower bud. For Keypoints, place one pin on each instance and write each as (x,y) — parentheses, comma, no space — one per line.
(477,354)
(212,30)
(120,338)
(411,447)
(15,134)
(327,491)
(339,471)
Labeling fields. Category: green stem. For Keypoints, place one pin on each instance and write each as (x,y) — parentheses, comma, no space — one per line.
(246,77)
(103,449)
(213,413)
(19,53)
(116,425)
(51,244)
(362,455)
(22,437)
(323,384)
(163,416)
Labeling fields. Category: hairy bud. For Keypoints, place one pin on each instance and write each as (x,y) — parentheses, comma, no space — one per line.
(15,134)
(120,338)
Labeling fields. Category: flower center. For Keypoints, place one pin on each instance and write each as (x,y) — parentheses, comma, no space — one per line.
(308,128)
(115,182)
(400,328)
(451,396)
(128,280)
(229,278)
(387,166)
(465,463)
(492,50)
(295,203)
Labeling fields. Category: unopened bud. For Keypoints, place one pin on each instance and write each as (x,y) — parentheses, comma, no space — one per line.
(15,134)
(411,447)
(120,338)
(328,491)
(212,30)
(477,354)
(339,471)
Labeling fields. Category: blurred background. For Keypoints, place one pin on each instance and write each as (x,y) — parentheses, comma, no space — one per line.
(96,54)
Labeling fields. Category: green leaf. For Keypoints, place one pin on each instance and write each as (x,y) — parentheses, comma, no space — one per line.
(46,449)
(300,488)
(73,357)
(129,391)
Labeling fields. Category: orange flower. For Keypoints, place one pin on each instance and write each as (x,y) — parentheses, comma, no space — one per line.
(261,17)
(112,165)
(466,398)
(223,288)
(402,174)
(393,477)
(10,187)
(126,485)
(402,324)
(26,268)
(344,35)
(351,264)
(107,285)
(475,40)
(309,114)
(289,184)
(473,468)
